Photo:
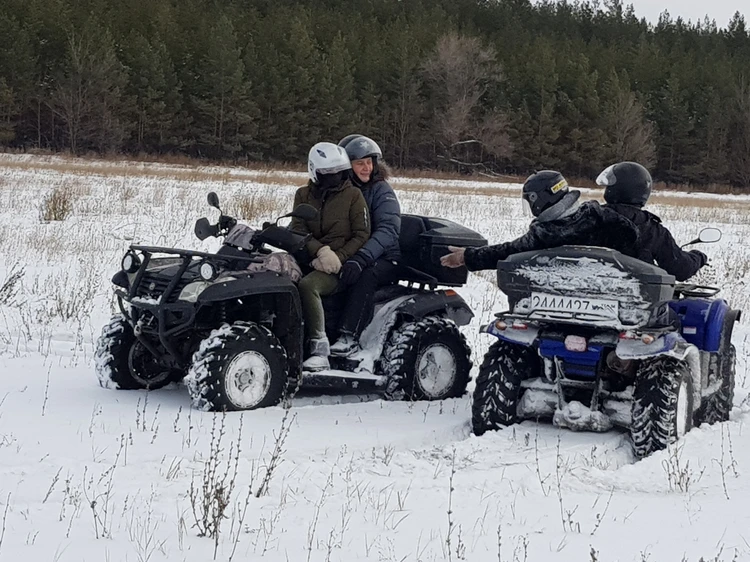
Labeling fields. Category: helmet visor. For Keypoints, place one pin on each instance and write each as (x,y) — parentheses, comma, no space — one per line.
(335,169)
(607,177)
(527,209)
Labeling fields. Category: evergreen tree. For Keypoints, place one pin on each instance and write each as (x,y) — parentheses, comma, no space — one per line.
(336,101)
(583,83)
(17,69)
(580,117)
(224,116)
(674,121)
(288,66)
(629,136)
(154,91)
(87,93)
(739,133)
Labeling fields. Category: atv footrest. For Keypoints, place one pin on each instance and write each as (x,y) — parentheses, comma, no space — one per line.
(341,379)
(337,374)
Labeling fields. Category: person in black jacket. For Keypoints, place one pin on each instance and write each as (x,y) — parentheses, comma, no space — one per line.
(376,263)
(627,187)
(560,220)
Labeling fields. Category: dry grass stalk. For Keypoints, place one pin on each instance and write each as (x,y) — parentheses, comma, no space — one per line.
(58,204)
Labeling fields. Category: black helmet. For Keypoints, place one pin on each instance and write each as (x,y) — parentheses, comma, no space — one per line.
(360,146)
(543,189)
(626,182)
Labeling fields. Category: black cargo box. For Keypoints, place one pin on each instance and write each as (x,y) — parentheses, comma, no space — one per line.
(424,240)
(585,272)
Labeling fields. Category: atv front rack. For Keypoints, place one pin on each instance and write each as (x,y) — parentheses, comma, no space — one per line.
(164,316)
(187,258)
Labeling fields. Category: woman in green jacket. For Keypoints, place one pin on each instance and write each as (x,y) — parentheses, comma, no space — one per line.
(340,229)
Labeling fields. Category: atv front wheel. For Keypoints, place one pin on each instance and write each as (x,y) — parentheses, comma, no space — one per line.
(241,366)
(122,362)
(498,390)
(426,360)
(662,404)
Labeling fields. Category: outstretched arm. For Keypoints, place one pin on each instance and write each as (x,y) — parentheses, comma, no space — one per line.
(673,259)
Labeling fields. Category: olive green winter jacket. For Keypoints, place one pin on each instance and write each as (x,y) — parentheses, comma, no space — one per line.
(343,222)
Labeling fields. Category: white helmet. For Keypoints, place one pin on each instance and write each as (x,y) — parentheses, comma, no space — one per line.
(326,158)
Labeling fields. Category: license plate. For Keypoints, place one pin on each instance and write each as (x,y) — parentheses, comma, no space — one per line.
(575,307)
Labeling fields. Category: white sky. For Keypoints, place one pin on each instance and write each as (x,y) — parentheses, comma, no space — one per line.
(720,10)
(694,10)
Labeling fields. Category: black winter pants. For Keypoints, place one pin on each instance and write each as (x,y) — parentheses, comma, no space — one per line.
(360,304)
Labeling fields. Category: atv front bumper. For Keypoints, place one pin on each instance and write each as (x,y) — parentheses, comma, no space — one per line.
(153,321)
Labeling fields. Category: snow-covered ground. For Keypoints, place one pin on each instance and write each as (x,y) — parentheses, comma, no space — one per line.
(99,475)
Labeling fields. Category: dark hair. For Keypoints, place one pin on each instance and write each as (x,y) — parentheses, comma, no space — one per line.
(383,173)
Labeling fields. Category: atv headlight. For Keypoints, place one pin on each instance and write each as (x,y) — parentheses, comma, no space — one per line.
(208,271)
(130,263)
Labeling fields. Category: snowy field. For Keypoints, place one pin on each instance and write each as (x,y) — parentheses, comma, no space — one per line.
(88,474)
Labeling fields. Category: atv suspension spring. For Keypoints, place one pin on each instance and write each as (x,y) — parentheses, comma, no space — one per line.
(222,312)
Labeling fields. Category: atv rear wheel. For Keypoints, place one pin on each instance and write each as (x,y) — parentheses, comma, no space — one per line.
(662,404)
(122,362)
(241,366)
(426,360)
(498,390)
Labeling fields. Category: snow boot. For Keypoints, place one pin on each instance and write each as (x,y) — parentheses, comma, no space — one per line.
(319,352)
(345,346)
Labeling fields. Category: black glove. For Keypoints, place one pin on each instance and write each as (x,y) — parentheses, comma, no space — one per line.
(227,223)
(352,270)
(703,257)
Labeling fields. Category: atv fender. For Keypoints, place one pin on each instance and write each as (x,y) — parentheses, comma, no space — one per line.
(448,304)
(263,282)
(705,322)
(513,335)
(414,306)
(671,345)
(290,321)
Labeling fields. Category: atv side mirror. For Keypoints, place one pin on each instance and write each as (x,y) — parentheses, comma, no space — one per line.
(709,235)
(706,236)
(213,200)
(304,211)
(204,229)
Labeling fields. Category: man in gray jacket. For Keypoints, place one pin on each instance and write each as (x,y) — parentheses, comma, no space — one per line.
(376,263)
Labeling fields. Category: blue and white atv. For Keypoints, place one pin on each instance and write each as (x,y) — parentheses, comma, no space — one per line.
(595,339)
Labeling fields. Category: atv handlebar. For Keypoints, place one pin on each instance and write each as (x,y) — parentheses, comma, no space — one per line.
(271,234)
(694,291)
(281,238)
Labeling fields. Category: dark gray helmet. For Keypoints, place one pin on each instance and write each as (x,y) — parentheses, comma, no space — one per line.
(626,182)
(360,146)
(543,189)
(343,142)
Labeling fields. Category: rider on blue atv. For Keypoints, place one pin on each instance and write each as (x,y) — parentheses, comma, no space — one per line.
(594,336)
(627,187)
(560,220)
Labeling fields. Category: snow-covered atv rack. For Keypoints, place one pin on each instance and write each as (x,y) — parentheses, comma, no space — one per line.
(594,338)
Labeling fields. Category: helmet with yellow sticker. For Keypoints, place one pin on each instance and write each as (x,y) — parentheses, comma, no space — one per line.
(542,190)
